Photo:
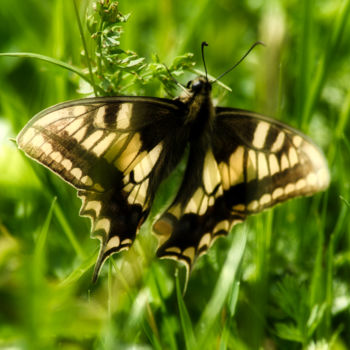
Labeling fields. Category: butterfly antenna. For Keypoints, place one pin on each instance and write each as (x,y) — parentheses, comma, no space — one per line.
(236,64)
(175,81)
(205,67)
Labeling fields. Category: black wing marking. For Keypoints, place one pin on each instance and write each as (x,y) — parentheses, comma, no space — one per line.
(115,152)
(252,163)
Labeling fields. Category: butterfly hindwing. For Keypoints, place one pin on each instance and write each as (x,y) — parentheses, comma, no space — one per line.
(252,162)
(115,151)
(195,219)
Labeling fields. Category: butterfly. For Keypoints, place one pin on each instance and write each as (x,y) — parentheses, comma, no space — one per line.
(116,151)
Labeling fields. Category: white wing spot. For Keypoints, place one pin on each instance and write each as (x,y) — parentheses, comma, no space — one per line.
(143,192)
(211,201)
(145,166)
(260,134)
(77,173)
(262,166)
(300,184)
(278,192)
(96,206)
(284,162)
(312,179)
(46,148)
(293,157)
(80,134)
(67,164)
(74,126)
(211,175)
(205,241)
(114,150)
(239,207)
(265,199)
(204,205)
(225,175)
(323,177)
(154,154)
(128,187)
(56,156)
(79,110)
(198,203)
(253,205)
(126,241)
(315,155)
(86,180)
(114,242)
(176,211)
(289,188)
(103,145)
(297,140)
(27,136)
(103,224)
(173,250)
(124,116)
(53,117)
(189,253)
(251,166)
(99,118)
(91,140)
(277,145)
(236,166)
(138,194)
(129,154)
(274,167)
(37,141)
(221,226)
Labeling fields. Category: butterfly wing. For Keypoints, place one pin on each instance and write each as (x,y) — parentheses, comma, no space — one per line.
(278,162)
(252,163)
(115,152)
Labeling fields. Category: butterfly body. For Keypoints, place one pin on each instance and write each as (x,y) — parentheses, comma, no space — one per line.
(116,151)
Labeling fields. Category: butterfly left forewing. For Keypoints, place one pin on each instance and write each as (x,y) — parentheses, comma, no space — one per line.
(114,152)
(263,162)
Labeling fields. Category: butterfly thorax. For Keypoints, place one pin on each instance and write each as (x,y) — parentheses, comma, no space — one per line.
(200,107)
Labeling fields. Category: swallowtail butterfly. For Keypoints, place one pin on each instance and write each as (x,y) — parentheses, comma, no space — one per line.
(117,150)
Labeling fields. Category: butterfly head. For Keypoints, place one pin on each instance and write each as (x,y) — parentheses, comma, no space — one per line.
(199,85)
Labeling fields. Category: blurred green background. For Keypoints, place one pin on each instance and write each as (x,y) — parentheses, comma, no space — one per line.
(290,290)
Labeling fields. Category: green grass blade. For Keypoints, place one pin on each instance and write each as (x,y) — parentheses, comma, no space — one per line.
(51,60)
(325,61)
(228,276)
(88,60)
(68,231)
(78,272)
(185,319)
(304,75)
(344,116)
(317,280)
(39,252)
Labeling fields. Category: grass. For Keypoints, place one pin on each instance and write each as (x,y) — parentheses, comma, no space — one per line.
(278,281)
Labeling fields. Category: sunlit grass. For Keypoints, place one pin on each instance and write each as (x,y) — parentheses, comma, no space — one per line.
(278,281)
